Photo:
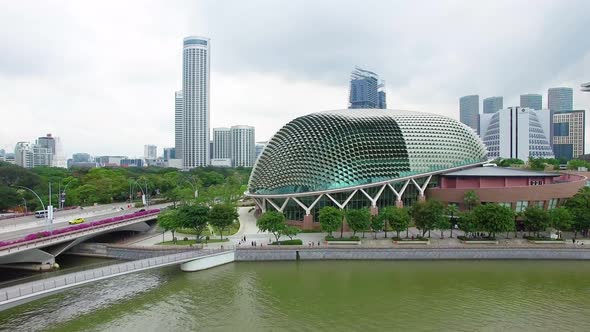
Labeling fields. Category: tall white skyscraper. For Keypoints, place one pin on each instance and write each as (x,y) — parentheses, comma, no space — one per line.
(150,152)
(221,143)
(178,124)
(195,110)
(243,146)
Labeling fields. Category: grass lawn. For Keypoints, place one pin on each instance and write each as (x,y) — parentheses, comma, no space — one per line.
(231,230)
(189,242)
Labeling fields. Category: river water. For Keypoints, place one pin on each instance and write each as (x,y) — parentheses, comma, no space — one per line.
(325,296)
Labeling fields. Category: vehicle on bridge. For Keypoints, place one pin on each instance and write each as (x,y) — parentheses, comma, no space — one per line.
(77,221)
(40,214)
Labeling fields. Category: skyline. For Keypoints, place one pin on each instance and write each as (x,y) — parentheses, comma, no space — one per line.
(88,86)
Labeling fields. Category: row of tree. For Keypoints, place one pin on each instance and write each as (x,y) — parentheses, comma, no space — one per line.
(197,218)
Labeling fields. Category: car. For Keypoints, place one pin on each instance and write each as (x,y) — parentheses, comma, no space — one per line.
(77,221)
(141,210)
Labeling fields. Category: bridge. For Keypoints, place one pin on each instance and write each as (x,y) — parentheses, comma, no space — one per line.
(203,258)
(38,249)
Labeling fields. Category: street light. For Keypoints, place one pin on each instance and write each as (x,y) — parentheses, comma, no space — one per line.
(142,191)
(46,213)
(62,194)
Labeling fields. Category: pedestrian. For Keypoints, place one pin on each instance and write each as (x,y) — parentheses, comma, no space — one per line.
(573,241)
(318,243)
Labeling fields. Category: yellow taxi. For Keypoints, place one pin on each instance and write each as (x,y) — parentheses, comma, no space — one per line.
(77,221)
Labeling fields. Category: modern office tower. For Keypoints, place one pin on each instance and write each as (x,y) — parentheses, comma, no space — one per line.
(169,153)
(586,87)
(195,102)
(560,99)
(532,101)
(178,123)
(365,90)
(569,134)
(81,158)
(23,154)
(469,111)
(109,161)
(150,151)
(221,143)
(259,147)
(243,148)
(493,104)
(53,144)
(516,132)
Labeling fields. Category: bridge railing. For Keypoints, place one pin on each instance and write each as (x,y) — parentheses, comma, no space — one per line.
(76,278)
(37,238)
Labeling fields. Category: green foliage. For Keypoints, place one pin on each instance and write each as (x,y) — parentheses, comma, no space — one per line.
(291,231)
(332,238)
(377,224)
(358,219)
(427,215)
(222,216)
(575,163)
(579,206)
(536,219)
(195,218)
(537,164)
(296,242)
(561,219)
(467,223)
(510,162)
(493,218)
(470,199)
(398,218)
(273,222)
(330,218)
(169,220)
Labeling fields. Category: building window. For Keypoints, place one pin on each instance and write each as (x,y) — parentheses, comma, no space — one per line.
(521,206)
(505,204)
(540,204)
(552,203)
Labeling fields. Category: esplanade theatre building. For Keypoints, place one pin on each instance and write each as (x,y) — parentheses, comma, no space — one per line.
(373,158)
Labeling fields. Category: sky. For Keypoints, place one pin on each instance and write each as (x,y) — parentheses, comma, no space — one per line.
(101,75)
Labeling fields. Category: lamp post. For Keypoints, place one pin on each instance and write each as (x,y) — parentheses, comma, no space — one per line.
(39,198)
(62,194)
(142,191)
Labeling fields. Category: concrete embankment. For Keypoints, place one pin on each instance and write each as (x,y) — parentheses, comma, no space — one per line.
(291,254)
(105,250)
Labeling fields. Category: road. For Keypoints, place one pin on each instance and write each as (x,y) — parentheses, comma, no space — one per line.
(38,225)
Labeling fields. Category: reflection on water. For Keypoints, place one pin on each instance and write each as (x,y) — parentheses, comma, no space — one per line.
(324,296)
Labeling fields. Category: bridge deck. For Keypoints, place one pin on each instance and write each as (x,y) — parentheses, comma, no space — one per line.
(15,295)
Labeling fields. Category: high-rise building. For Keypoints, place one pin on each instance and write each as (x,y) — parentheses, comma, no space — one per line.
(569,134)
(560,99)
(53,145)
(493,104)
(178,123)
(516,132)
(469,111)
(195,109)
(23,154)
(169,153)
(81,158)
(259,147)
(586,87)
(243,148)
(365,90)
(221,143)
(532,101)
(150,151)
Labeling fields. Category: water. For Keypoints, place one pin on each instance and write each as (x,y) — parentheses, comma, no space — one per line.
(325,296)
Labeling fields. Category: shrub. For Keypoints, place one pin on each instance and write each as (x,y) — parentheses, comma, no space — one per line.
(294,242)
(352,238)
(185,239)
(417,238)
(540,238)
(465,238)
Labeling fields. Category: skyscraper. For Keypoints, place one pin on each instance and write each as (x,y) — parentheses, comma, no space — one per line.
(531,100)
(243,147)
(178,124)
(221,143)
(150,151)
(53,145)
(569,133)
(469,111)
(365,90)
(560,99)
(169,153)
(195,102)
(493,104)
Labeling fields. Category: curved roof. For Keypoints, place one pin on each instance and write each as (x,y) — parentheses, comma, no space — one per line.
(346,148)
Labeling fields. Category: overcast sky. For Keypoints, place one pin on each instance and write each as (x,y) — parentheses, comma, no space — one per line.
(101,75)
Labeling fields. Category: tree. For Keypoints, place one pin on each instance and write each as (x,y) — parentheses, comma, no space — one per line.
(427,214)
(169,221)
(510,162)
(291,231)
(194,217)
(467,223)
(330,218)
(579,206)
(561,219)
(273,222)
(376,224)
(536,219)
(575,163)
(494,218)
(442,225)
(470,199)
(398,218)
(537,164)
(358,220)
(452,211)
(222,216)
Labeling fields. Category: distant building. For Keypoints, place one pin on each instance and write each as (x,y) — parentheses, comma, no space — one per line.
(469,111)
(259,147)
(53,147)
(243,150)
(560,99)
(221,143)
(23,154)
(150,151)
(109,161)
(365,90)
(9,158)
(221,162)
(178,102)
(131,162)
(174,163)
(195,110)
(569,134)
(81,158)
(169,153)
(2,154)
(492,104)
(532,101)
(517,132)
